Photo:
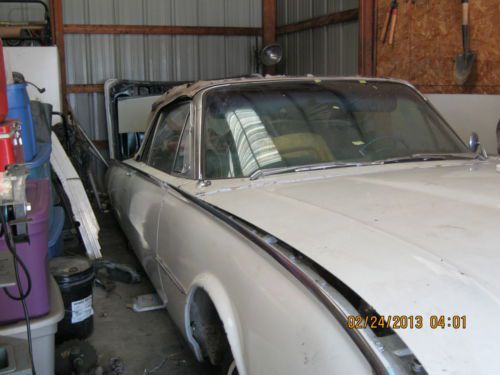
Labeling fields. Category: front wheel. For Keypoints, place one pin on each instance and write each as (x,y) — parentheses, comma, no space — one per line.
(228,366)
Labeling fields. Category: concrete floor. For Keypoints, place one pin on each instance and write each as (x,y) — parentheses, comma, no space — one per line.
(141,340)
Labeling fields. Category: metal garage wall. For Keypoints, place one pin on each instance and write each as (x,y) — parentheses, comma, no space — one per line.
(328,50)
(95,58)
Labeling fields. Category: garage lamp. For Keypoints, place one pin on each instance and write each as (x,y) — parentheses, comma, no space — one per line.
(271,54)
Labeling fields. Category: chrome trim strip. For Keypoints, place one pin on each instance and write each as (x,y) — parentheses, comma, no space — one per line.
(171,276)
(368,343)
(198,139)
(108,85)
(147,176)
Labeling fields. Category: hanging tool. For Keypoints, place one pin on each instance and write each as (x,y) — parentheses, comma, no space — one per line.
(390,23)
(464,61)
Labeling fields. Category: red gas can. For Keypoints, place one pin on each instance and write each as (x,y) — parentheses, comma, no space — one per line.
(4,108)
(7,155)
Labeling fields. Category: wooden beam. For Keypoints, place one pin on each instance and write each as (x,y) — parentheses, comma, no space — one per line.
(367,38)
(329,19)
(58,35)
(160,30)
(268,21)
(84,89)
(52,21)
(269,10)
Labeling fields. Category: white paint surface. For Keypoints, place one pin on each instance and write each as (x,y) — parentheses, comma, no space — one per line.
(468,113)
(410,239)
(39,65)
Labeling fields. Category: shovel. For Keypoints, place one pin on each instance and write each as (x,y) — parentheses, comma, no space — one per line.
(464,61)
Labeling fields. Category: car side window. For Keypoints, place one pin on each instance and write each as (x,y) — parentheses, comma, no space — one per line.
(167,135)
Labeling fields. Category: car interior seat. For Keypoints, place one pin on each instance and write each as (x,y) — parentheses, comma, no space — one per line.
(221,158)
(303,148)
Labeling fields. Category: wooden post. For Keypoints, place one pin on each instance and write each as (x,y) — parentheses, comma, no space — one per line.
(52,23)
(268,28)
(367,38)
(58,36)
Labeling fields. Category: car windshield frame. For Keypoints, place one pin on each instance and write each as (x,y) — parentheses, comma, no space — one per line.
(418,98)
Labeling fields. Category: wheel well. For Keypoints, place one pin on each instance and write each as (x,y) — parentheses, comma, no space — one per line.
(207,327)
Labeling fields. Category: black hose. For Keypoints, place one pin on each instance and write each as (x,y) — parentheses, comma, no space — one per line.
(9,240)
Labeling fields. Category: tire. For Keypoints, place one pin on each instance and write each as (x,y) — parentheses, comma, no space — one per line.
(228,366)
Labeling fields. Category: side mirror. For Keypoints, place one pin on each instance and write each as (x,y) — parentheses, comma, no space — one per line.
(476,147)
(474,142)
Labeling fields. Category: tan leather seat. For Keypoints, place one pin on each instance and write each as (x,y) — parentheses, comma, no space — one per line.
(307,147)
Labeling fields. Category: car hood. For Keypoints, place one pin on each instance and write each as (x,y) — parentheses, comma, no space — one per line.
(410,239)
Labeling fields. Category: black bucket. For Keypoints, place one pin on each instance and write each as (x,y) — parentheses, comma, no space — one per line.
(75,277)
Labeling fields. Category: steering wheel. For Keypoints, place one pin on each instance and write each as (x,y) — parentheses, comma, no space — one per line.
(381,138)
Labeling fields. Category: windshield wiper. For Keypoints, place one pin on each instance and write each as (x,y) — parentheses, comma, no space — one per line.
(409,158)
(306,168)
(428,157)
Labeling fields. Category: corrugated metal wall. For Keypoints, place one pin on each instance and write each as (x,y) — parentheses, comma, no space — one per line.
(329,50)
(95,58)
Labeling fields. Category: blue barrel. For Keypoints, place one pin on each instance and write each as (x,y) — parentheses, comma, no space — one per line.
(39,166)
(56,247)
(19,109)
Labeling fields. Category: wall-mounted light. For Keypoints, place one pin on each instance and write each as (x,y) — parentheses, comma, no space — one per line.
(271,54)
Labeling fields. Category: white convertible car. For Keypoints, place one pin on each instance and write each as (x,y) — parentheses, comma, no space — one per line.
(311,225)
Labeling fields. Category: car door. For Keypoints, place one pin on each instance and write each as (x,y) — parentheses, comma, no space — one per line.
(159,165)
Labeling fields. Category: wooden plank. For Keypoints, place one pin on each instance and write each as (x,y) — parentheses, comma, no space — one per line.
(329,19)
(84,89)
(367,38)
(424,50)
(269,24)
(58,35)
(80,204)
(160,30)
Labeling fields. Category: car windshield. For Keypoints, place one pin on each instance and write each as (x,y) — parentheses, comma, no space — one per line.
(251,128)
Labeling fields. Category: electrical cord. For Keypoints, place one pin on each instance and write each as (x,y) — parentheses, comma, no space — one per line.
(9,240)
(25,295)
(18,260)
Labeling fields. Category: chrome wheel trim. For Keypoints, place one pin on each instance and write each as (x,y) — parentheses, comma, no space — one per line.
(232,368)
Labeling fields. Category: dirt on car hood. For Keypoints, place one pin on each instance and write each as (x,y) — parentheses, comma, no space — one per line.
(411,239)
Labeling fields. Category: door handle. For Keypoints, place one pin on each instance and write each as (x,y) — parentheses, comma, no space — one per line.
(128,174)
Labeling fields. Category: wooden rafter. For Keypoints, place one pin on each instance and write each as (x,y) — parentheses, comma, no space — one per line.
(329,19)
(160,30)
(84,89)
